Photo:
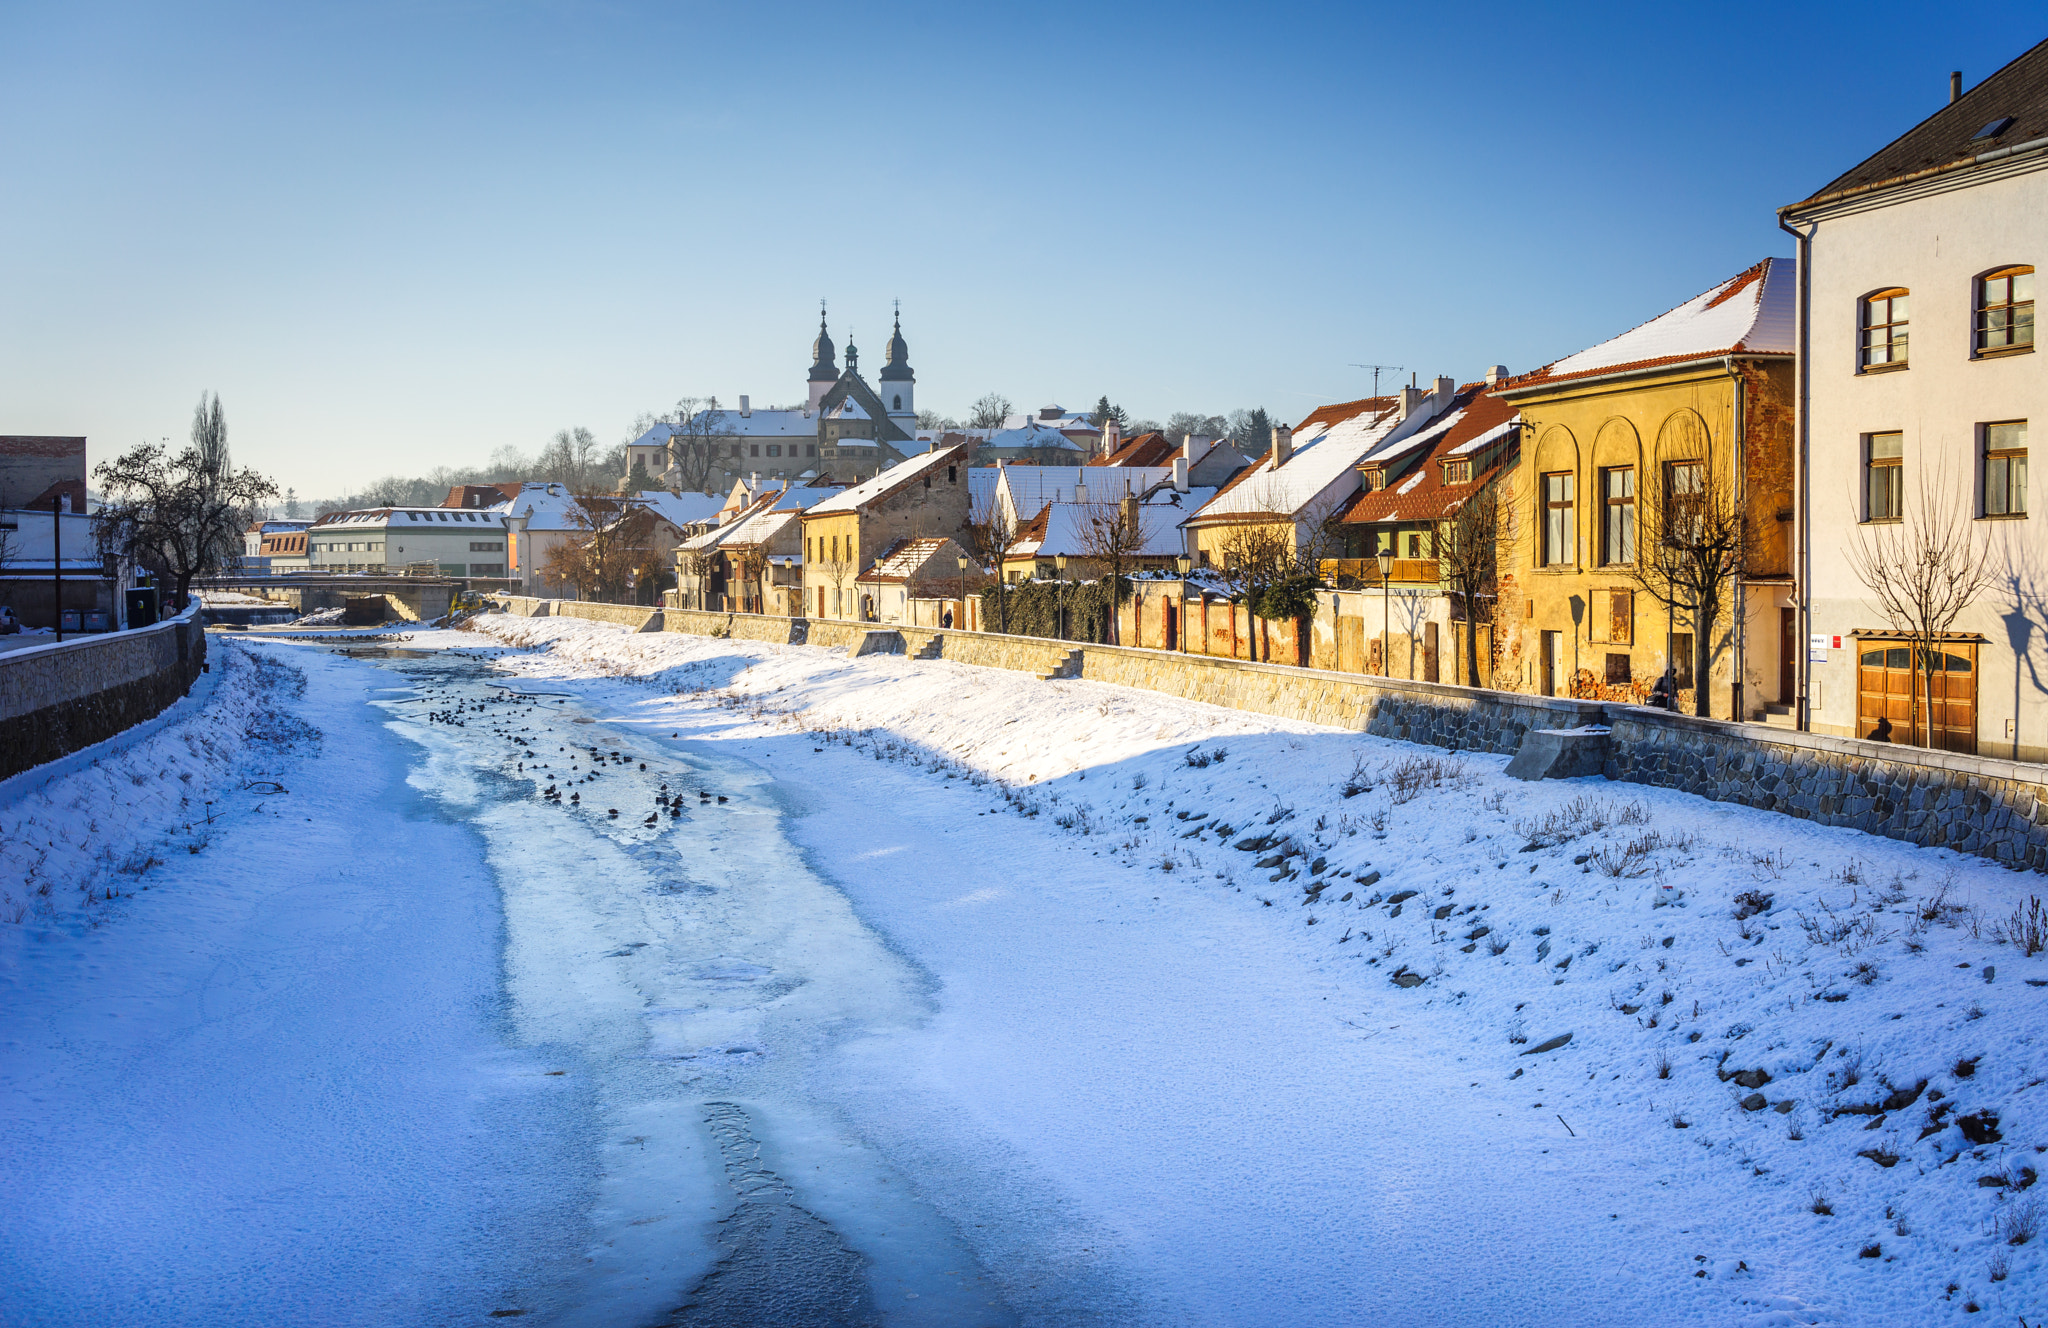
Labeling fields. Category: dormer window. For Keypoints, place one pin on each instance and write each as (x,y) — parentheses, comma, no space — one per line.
(2005,311)
(1459,471)
(1884,329)
(1375,478)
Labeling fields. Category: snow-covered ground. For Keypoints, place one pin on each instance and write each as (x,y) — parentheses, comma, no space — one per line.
(985,999)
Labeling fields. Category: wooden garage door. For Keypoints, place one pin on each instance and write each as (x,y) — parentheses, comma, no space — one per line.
(1886,683)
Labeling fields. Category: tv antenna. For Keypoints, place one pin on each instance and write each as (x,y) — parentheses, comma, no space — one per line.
(1377,370)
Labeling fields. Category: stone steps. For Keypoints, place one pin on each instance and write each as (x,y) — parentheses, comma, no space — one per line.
(1070,667)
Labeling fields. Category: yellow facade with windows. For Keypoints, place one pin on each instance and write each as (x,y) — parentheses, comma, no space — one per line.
(1575,618)
(832,559)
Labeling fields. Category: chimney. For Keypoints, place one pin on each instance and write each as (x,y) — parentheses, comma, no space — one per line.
(1411,397)
(1955,87)
(1496,375)
(1283,444)
(746,406)
(1130,513)
(1112,437)
(1180,474)
(1080,493)
(1446,389)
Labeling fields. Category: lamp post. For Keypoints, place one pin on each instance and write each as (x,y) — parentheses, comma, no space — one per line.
(1667,558)
(1186,565)
(1386,562)
(965,563)
(1059,612)
(57,563)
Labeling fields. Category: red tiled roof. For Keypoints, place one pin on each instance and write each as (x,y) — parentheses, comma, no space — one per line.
(1147,449)
(1428,498)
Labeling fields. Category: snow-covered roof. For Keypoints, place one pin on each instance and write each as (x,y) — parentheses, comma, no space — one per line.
(754,424)
(1493,435)
(760,528)
(1328,445)
(1033,434)
(848,409)
(867,491)
(1750,313)
(414,518)
(1188,503)
(1064,530)
(905,559)
(1403,446)
(680,509)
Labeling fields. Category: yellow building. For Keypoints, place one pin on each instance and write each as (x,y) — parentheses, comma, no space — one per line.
(1682,425)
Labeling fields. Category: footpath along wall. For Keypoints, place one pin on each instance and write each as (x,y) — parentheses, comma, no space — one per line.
(1977,805)
(55,699)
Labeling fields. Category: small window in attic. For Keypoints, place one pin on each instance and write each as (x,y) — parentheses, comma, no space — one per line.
(1992,130)
(1375,479)
(1458,472)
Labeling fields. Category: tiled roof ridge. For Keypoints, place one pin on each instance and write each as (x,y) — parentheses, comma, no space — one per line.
(1720,293)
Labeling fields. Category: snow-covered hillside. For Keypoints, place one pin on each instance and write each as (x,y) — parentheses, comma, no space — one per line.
(1827,1039)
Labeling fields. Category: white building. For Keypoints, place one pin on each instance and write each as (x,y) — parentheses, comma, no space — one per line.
(1919,383)
(454,541)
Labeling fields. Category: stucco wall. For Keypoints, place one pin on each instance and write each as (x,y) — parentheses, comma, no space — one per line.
(1934,240)
(56,699)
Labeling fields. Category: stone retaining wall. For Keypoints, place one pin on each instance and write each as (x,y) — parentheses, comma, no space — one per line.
(56,699)
(1977,805)
(1973,804)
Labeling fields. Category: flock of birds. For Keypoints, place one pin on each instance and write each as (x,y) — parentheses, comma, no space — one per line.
(454,708)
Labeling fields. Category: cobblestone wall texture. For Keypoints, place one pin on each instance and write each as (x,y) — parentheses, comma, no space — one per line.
(56,699)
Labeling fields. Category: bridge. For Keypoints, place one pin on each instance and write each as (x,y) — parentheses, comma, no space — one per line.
(411,598)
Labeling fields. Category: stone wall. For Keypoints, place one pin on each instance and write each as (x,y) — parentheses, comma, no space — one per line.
(1972,804)
(1977,805)
(56,699)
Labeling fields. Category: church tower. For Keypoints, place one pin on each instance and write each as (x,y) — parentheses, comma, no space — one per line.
(899,383)
(824,373)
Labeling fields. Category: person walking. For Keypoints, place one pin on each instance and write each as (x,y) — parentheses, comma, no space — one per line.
(1664,696)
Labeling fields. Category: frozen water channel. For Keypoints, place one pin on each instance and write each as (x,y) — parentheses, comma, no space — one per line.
(673,950)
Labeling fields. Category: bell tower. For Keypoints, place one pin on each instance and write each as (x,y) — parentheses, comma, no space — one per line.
(898,383)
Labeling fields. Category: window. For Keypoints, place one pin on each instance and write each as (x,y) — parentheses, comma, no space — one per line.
(775,449)
(755,450)
(1681,659)
(1685,495)
(898,402)
(1375,479)
(1617,671)
(2005,310)
(810,449)
(1457,472)
(1414,544)
(1560,548)
(1618,525)
(1884,329)
(2005,469)
(1884,476)
(952,474)
(486,546)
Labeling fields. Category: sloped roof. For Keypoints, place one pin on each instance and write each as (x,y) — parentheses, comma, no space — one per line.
(1147,449)
(890,480)
(680,509)
(1328,444)
(1033,434)
(905,559)
(1063,528)
(1751,313)
(1948,138)
(1419,492)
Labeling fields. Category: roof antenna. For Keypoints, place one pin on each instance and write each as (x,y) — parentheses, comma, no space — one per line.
(1377,370)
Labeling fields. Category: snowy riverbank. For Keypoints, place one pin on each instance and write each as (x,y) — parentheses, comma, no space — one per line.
(1702,957)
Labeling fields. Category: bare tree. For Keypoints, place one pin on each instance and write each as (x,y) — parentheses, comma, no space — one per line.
(837,565)
(1112,533)
(181,516)
(210,434)
(599,566)
(990,531)
(697,564)
(989,412)
(1467,545)
(569,459)
(1924,571)
(1696,542)
(700,433)
(1181,424)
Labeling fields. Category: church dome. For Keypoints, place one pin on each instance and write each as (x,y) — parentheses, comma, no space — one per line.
(898,367)
(822,355)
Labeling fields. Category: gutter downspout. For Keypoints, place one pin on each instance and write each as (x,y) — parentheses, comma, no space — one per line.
(1802,486)
(1741,591)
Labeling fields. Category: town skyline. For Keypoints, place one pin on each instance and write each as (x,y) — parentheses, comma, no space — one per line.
(411,258)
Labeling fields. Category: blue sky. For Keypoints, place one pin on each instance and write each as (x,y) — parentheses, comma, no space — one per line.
(394,236)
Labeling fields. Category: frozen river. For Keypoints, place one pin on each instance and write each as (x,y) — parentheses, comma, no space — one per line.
(796,1037)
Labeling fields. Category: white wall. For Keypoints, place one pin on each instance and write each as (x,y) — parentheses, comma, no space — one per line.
(1935,244)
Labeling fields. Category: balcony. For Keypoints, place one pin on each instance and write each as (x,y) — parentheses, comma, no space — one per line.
(1345,573)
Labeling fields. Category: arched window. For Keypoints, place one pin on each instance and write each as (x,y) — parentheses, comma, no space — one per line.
(898,399)
(2005,310)
(1884,328)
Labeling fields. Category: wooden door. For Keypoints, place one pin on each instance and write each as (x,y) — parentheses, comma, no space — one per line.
(1788,655)
(1429,655)
(1553,661)
(1887,683)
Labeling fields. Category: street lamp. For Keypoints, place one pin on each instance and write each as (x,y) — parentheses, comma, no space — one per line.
(1059,612)
(1386,562)
(965,563)
(1186,565)
(1667,559)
